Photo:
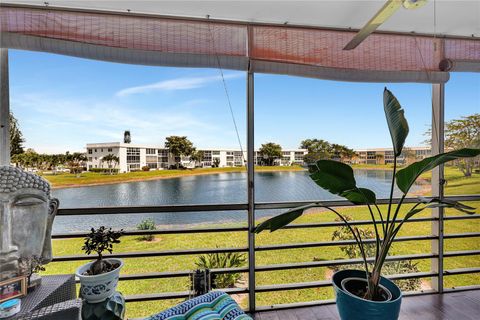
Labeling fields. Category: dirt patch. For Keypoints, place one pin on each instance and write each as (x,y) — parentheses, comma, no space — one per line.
(154,240)
(329,274)
(425,285)
(240,299)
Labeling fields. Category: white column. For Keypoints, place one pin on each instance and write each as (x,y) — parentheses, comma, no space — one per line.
(4,109)
(438,122)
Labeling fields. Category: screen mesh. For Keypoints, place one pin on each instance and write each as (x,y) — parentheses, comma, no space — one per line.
(304,51)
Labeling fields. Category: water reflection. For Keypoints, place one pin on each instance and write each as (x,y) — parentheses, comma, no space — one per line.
(201,189)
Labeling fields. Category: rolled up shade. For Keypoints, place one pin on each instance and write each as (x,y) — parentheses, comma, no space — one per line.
(298,51)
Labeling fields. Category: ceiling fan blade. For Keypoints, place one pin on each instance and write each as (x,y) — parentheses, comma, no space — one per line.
(388,9)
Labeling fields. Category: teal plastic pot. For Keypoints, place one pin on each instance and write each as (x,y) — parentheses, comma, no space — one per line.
(351,307)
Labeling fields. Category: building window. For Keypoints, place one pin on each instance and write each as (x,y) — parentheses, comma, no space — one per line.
(151,151)
(133,156)
(89,151)
(134,167)
(216,153)
(90,159)
(110,149)
(101,150)
(162,152)
(95,150)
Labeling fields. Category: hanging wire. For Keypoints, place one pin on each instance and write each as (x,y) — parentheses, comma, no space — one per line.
(434,121)
(227,95)
(434,118)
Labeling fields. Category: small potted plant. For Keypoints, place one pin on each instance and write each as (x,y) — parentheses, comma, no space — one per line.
(99,278)
(366,294)
(31,268)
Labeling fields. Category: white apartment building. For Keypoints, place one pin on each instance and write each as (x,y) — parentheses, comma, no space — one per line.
(134,157)
(386,156)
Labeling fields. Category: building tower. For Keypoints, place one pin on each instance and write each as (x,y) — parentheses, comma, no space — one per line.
(126,137)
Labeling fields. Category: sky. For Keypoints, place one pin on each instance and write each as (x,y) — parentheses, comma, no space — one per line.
(62,103)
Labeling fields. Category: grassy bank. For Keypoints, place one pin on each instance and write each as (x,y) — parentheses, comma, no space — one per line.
(90,178)
(456,185)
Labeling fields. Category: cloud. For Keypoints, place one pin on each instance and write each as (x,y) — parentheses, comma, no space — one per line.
(186,83)
(51,123)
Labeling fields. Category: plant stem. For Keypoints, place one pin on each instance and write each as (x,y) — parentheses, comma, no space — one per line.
(399,205)
(381,219)
(377,236)
(358,239)
(364,255)
(391,190)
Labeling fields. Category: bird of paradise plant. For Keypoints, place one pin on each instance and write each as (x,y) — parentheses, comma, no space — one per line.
(338,179)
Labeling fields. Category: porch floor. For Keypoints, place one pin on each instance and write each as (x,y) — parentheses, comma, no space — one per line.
(452,306)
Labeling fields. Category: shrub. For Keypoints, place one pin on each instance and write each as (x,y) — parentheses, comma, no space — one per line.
(147,224)
(222,260)
(174,167)
(389,268)
(103,170)
(145,168)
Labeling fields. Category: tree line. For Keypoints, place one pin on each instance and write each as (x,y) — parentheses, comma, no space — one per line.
(269,153)
(317,149)
(459,133)
(462,133)
(74,162)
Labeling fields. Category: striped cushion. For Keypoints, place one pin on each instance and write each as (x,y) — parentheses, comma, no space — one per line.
(215,305)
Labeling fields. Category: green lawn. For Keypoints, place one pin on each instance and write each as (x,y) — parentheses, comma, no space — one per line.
(91,178)
(456,184)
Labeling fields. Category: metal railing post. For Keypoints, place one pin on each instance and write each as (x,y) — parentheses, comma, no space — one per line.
(4,109)
(438,123)
(251,191)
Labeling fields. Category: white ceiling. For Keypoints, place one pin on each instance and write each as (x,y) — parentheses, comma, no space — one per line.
(453,17)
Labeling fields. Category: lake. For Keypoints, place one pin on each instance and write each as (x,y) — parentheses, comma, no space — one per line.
(201,189)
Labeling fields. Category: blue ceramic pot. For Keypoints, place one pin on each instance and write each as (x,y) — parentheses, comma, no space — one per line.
(351,307)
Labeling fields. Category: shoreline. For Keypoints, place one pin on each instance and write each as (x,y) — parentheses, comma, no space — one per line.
(162,177)
(189,172)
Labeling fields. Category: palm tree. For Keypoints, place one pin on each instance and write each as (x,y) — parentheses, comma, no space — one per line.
(197,156)
(75,161)
(111,161)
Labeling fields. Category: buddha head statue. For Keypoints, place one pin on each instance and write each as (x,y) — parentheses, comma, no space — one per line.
(26,218)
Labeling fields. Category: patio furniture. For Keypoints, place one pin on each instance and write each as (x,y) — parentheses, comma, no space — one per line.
(70,310)
(53,290)
(213,305)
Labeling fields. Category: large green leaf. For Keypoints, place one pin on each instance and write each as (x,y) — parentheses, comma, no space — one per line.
(397,124)
(448,203)
(407,176)
(283,219)
(338,178)
(431,204)
(360,196)
(333,176)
